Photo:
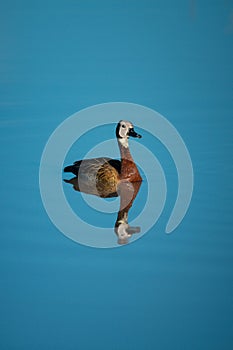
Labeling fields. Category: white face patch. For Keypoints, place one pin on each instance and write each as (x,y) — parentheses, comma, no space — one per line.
(123,132)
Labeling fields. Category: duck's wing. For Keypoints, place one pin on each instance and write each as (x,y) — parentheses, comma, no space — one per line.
(96,176)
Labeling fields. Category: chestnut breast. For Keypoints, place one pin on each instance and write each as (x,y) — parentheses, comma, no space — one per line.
(129,171)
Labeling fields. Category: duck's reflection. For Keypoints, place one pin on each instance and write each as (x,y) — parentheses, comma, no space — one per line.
(127,192)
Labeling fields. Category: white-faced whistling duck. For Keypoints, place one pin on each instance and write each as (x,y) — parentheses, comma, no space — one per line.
(101,176)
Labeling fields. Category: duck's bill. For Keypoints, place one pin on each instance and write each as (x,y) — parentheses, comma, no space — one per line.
(133,133)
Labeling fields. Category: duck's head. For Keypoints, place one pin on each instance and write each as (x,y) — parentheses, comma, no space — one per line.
(125,129)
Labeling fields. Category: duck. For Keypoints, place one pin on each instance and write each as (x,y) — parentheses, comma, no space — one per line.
(101,176)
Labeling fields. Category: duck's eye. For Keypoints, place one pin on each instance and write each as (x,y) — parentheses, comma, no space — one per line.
(123,126)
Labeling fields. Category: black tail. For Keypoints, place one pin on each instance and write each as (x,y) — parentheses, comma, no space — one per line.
(69,169)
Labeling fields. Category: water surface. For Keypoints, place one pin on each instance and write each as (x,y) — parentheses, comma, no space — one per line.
(161,291)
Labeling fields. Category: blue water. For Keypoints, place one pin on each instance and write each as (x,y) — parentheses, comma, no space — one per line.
(163,291)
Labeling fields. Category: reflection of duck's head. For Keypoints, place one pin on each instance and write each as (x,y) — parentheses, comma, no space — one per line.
(124,231)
